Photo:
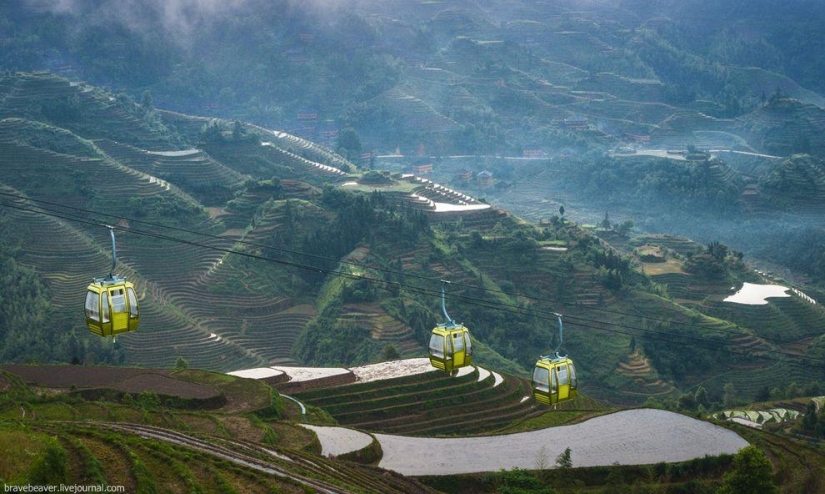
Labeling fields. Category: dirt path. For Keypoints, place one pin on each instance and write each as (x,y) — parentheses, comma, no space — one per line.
(631,437)
(237,457)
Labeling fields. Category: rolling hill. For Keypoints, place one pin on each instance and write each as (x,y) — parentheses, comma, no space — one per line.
(251,247)
(151,429)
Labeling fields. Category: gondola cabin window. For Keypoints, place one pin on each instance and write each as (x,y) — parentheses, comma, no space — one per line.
(564,376)
(458,342)
(437,346)
(118,301)
(104,306)
(573,381)
(541,379)
(133,305)
(93,306)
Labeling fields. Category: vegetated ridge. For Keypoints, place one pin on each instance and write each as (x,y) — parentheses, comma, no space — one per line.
(252,248)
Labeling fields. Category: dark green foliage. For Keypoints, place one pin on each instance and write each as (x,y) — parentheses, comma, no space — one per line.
(328,341)
(518,481)
(797,180)
(371,454)
(716,263)
(389,352)
(148,400)
(358,218)
(359,291)
(809,420)
(701,187)
(565,460)
(677,360)
(349,144)
(24,310)
(62,110)
(161,206)
(275,409)
(752,473)
(270,437)
(51,467)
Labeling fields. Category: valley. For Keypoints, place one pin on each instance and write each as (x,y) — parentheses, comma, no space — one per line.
(292,184)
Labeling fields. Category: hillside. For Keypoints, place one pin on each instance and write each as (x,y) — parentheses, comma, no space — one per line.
(388,83)
(160,430)
(452,77)
(149,431)
(295,185)
(252,247)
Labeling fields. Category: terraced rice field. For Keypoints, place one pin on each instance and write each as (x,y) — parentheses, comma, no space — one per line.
(475,402)
(631,437)
(383,328)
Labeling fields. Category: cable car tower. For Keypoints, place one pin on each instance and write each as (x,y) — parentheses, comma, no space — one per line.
(450,345)
(554,377)
(111,303)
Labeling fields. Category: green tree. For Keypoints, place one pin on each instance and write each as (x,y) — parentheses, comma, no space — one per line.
(349,144)
(615,481)
(564,459)
(390,352)
(146,100)
(729,396)
(751,474)
(606,221)
(810,419)
(181,364)
(777,393)
(625,227)
(238,131)
(51,467)
(701,397)
(687,402)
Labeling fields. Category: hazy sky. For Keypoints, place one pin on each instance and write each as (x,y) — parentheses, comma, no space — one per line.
(175,16)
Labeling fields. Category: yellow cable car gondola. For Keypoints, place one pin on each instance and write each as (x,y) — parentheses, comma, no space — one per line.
(111,303)
(554,377)
(450,345)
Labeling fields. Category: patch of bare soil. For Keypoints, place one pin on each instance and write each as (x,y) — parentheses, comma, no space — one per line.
(164,385)
(66,376)
(125,379)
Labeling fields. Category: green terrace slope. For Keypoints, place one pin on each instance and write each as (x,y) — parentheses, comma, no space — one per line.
(82,109)
(149,431)
(432,404)
(798,183)
(163,430)
(480,79)
(252,247)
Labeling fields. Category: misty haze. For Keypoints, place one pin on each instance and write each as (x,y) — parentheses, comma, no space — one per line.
(374,246)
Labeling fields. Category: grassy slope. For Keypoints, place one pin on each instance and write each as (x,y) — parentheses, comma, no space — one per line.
(49,437)
(218,310)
